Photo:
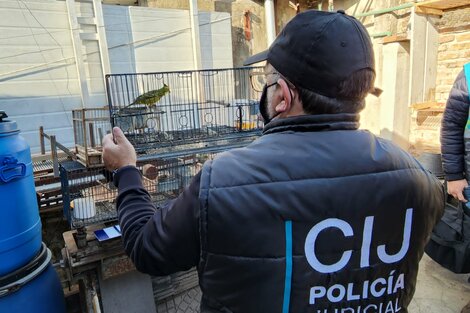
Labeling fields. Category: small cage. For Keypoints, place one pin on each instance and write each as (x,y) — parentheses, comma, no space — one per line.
(425,128)
(185,110)
(89,194)
(89,127)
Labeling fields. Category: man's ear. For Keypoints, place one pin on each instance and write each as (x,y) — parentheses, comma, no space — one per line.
(286,102)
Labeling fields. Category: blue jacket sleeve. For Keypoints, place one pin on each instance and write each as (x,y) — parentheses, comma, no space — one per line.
(162,240)
(452,130)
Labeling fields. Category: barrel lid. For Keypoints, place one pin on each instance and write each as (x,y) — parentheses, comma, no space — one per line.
(7,126)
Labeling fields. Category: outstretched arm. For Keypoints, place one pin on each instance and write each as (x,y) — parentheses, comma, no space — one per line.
(160,240)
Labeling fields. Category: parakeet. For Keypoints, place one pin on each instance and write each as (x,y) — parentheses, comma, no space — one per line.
(150,98)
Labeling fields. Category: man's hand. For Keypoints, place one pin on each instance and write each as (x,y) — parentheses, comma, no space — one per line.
(118,153)
(455,189)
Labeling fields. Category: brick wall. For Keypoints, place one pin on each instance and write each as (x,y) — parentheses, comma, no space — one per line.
(454,49)
(453,53)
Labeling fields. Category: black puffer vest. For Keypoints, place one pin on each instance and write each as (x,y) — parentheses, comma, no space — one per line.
(455,123)
(314,216)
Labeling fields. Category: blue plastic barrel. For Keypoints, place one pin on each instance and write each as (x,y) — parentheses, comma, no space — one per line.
(20,226)
(34,288)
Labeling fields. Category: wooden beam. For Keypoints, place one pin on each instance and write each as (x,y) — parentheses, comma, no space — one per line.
(69,240)
(428,11)
(435,110)
(44,157)
(41,140)
(443,4)
(454,29)
(423,58)
(424,105)
(395,38)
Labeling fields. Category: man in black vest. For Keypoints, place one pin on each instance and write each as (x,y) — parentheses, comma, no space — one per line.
(455,144)
(315,215)
(454,124)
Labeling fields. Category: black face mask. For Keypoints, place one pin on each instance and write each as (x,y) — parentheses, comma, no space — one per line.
(263,106)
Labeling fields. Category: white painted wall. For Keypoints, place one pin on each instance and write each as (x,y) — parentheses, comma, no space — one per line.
(38,77)
(38,80)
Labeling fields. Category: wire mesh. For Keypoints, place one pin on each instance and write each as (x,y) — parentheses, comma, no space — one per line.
(429,119)
(179,110)
(89,194)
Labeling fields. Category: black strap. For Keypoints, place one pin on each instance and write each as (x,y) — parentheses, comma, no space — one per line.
(26,270)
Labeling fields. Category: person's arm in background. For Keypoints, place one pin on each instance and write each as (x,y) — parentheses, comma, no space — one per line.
(159,241)
(452,137)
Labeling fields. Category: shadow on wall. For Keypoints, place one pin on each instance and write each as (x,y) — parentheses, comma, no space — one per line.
(160,38)
(119,35)
(38,71)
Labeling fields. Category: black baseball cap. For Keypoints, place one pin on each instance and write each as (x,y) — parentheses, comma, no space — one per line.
(317,50)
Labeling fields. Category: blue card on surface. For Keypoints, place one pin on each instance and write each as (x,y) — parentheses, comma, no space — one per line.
(108,233)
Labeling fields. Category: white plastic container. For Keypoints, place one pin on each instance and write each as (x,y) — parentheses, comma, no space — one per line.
(84,208)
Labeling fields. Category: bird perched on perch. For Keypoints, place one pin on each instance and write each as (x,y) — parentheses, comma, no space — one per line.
(150,98)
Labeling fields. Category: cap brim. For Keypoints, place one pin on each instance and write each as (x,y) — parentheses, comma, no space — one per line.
(259,57)
(376,91)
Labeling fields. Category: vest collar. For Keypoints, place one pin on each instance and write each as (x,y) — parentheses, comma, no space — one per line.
(309,123)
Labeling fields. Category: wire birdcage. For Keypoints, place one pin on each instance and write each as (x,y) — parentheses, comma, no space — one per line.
(175,120)
(89,127)
(89,194)
(172,111)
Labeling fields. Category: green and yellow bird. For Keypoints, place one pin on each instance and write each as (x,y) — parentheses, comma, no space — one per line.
(150,98)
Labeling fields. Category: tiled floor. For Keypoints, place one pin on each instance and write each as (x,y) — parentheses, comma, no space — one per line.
(439,290)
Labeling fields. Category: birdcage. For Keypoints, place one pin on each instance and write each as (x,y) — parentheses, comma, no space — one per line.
(89,127)
(186,110)
(89,194)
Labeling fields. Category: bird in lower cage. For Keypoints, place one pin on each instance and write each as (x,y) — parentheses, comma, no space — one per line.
(150,98)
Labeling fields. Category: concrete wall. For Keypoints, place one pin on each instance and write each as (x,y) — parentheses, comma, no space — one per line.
(243,12)
(394,109)
(121,2)
(388,115)
(242,47)
(203,5)
(38,76)
(429,62)
(161,39)
(453,52)
(397,23)
(408,71)
(38,79)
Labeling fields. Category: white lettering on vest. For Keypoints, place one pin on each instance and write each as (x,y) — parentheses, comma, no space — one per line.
(386,258)
(347,231)
(310,245)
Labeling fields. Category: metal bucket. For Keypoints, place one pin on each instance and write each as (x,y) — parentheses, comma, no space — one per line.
(432,162)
